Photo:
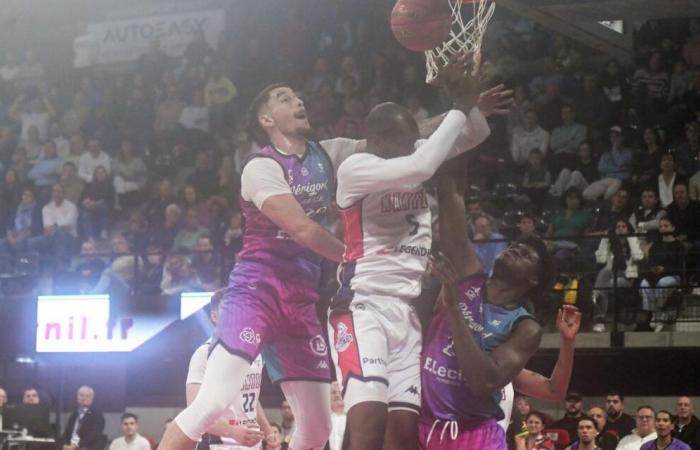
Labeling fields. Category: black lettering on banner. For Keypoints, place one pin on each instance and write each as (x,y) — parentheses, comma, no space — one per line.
(411,219)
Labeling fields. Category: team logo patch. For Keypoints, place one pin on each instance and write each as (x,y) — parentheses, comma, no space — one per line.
(449,349)
(322,364)
(344,338)
(318,345)
(412,390)
(249,336)
(304,172)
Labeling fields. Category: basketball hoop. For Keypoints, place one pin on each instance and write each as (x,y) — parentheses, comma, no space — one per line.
(465,35)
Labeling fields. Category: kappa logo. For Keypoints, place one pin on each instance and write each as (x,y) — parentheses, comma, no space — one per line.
(318,345)
(495,322)
(412,390)
(249,336)
(449,350)
(322,364)
(344,338)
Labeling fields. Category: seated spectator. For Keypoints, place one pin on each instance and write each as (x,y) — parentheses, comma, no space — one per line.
(86,424)
(643,432)
(206,264)
(528,137)
(567,224)
(648,160)
(155,208)
(565,140)
(30,396)
(620,253)
(536,181)
(152,272)
(217,219)
(117,280)
(32,110)
(664,434)
(351,123)
(685,216)
(178,276)
(219,92)
(487,251)
(186,238)
(24,231)
(526,226)
(192,200)
(137,231)
(650,87)
(233,237)
(203,178)
(593,107)
(273,441)
(694,186)
(11,191)
(681,79)
(130,174)
(60,219)
(72,184)
(619,422)
(664,273)
(130,439)
(583,172)
(605,218)
(168,111)
(534,440)
(44,173)
(20,164)
(687,424)
(607,440)
(645,219)
(76,149)
(587,433)
(96,205)
(689,151)
(87,272)
(614,167)
(32,145)
(57,136)
(92,159)
(196,115)
(667,179)
(574,411)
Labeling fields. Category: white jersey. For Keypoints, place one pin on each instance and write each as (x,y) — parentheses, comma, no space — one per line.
(242,411)
(388,233)
(506,404)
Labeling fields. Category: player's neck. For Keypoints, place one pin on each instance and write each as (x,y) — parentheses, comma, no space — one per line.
(501,293)
(290,145)
(587,446)
(663,441)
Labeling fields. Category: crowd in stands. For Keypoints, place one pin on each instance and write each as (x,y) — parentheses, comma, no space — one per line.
(134,175)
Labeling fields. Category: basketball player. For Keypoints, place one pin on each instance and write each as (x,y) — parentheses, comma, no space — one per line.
(376,333)
(244,425)
(463,374)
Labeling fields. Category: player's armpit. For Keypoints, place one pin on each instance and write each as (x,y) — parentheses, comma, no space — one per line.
(285,212)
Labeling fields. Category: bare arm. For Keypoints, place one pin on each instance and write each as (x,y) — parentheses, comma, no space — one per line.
(262,418)
(554,388)
(285,212)
(485,372)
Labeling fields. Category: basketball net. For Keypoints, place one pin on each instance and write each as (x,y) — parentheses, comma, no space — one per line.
(464,36)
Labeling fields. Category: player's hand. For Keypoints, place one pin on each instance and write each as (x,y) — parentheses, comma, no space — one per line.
(568,322)
(247,435)
(496,100)
(459,77)
(441,267)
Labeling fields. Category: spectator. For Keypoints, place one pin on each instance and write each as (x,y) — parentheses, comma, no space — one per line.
(338,418)
(30,74)
(685,216)
(152,273)
(593,106)
(44,173)
(614,167)
(20,164)
(24,233)
(518,423)
(620,253)
(168,111)
(130,439)
(30,396)
(206,265)
(72,184)
(651,87)
(57,136)
(94,158)
(605,218)
(574,412)
(219,92)
(694,186)
(233,237)
(666,264)
(534,440)
(60,219)
(583,172)
(526,226)
(196,115)
(643,432)
(691,49)
(587,432)
(536,182)
(689,151)
(87,271)
(186,238)
(287,427)
(528,137)
(178,276)
(118,278)
(619,422)
(607,440)
(351,123)
(11,191)
(96,205)
(566,139)
(568,223)
(155,209)
(3,396)
(488,244)
(217,219)
(203,178)
(86,424)
(648,161)
(348,69)
(667,179)
(664,435)
(32,145)
(681,79)
(137,231)
(274,440)
(130,174)
(191,200)
(33,110)
(153,63)
(645,219)
(75,151)
(687,424)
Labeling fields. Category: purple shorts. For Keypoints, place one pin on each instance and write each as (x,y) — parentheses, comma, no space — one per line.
(449,435)
(263,312)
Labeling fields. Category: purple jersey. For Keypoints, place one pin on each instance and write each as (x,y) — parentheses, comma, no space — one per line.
(312,182)
(675,444)
(446,395)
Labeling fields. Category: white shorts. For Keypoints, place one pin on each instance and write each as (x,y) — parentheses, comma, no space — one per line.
(376,350)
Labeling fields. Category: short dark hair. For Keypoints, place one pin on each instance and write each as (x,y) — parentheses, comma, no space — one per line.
(545,269)
(588,419)
(129,415)
(665,412)
(614,393)
(537,414)
(647,407)
(574,191)
(252,125)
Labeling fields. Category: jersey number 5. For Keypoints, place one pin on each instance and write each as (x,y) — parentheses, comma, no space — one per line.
(248,402)
(412,221)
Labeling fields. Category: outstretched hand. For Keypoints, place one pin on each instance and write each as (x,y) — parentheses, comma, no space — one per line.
(496,100)
(442,268)
(459,77)
(568,322)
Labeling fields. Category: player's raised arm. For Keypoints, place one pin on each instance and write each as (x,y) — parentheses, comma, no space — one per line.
(554,388)
(453,224)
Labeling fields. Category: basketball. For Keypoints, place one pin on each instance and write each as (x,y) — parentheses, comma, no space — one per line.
(421,25)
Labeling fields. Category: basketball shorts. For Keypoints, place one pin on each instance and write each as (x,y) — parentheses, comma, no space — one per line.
(264,312)
(376,346)
(434,434)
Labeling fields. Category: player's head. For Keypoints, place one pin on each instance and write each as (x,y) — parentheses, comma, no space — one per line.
(587,430)
(130,424)
(277,111)
(664,423)
(391,131)
(526,266)
(214,305)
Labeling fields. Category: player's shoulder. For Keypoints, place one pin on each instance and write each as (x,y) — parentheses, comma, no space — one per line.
(356,160)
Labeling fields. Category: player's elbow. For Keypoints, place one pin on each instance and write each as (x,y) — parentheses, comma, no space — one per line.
(302,231)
